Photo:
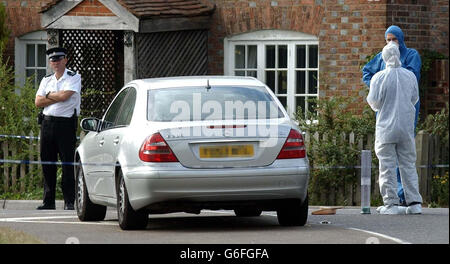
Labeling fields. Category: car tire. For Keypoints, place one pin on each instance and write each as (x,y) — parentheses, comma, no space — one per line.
(293,213)
(129,219)
(247,212)
(86,210)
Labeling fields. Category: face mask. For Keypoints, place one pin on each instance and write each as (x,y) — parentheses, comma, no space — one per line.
(390,43)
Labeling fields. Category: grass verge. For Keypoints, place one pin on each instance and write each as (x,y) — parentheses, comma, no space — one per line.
(9,236)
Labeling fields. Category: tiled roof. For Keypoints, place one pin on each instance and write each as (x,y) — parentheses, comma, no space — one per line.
(168,8)
(159,8)
(49,5)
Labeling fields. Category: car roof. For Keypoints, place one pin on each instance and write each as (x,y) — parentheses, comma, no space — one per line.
(174,82)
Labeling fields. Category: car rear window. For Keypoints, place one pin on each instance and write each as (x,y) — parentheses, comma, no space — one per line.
(216,103)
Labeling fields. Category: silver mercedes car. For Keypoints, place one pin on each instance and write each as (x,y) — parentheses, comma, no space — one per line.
(183,144)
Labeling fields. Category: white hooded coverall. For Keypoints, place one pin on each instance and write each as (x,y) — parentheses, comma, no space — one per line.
(393,94)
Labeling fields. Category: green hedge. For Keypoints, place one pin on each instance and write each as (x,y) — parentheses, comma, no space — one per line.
(332,117)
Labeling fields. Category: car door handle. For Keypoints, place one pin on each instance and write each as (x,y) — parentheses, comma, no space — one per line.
(116,141)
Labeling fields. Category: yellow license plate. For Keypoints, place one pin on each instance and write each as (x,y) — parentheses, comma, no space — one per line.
(228,151)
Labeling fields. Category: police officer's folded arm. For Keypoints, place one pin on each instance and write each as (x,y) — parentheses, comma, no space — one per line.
(41,101)
(51,98)
(60,96)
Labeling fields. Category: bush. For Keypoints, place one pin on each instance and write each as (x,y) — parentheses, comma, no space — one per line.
(333,121)
(18,116)
(437,124)
(439,187)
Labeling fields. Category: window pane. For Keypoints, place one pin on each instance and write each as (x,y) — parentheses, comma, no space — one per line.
(252,73)
(301,56)
(270,80)
(300,102)
(41,55)
(312,82)
(239,73)
(113,111)
(40,75)
(313,56)
(282,82)
(30,72)
(239,57)
(282,56)
(300,82)
(283,101)
(124,117)
(270,57)
(252,57)
(220,103)
(31,55)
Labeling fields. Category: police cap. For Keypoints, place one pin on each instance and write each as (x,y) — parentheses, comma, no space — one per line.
(56,54)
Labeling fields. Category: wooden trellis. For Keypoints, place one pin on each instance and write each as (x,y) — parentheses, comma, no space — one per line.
(98,56)
(175,53)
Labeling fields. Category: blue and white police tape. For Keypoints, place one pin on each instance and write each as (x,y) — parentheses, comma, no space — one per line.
(20,137)
(38,162)
(24,137)
(33,162)
(359,167)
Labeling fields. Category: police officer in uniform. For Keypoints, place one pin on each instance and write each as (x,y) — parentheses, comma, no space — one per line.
(60,96)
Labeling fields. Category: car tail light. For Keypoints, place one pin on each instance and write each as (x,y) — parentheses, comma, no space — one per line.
(294,147)
(155,149)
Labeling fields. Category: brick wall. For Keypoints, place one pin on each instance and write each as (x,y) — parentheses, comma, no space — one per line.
(22,18)
(437,93)
(233,17)
(348,31)
(90,8)
(424,23)
(439,26)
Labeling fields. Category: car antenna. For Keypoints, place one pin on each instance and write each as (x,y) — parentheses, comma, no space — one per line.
(207,84)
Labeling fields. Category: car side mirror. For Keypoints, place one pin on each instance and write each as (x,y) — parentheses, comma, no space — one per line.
(90,124)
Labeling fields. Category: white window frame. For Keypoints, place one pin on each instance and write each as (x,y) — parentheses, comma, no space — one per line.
(20,50)
(274,37)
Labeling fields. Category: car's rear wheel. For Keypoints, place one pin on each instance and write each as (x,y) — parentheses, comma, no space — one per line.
(86,210)
(247,212)
(129,219)
(293,213)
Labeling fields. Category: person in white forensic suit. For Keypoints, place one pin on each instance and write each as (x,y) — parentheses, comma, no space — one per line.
(393,94)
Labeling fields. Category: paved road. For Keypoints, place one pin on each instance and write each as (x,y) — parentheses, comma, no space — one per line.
(348,226)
